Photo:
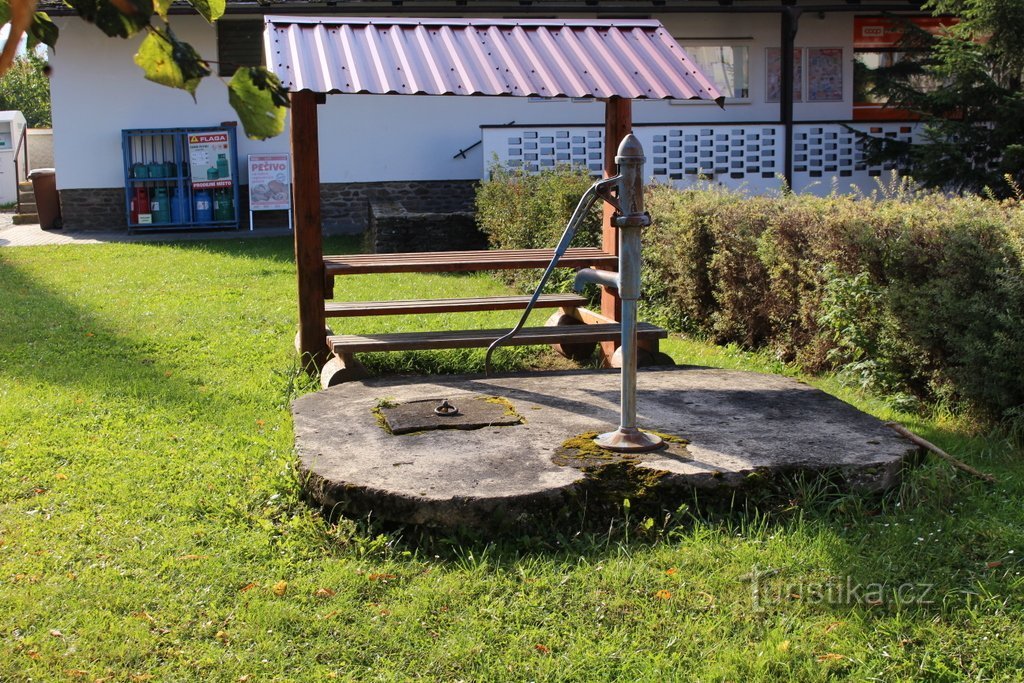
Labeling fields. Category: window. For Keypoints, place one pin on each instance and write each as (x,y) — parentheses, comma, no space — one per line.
(728,67)
(239,43)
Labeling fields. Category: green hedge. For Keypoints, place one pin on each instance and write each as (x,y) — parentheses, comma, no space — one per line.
(916,296)
(521,211)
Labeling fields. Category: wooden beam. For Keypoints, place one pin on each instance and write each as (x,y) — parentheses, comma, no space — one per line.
(789,23)
(309,260)
(618,123)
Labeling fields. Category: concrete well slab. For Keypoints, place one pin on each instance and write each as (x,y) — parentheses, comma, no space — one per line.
(742,428)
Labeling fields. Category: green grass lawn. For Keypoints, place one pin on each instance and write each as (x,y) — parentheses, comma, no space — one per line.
(151,526)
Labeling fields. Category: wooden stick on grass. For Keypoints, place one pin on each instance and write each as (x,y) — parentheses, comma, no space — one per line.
(959,464)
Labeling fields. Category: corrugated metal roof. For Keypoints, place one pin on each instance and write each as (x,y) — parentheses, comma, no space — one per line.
(635,59)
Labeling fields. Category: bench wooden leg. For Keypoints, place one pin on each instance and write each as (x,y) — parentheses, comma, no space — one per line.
(342,367)
(578,352)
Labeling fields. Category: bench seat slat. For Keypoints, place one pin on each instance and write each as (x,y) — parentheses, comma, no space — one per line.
(455,261)
(347,309)
(460,339)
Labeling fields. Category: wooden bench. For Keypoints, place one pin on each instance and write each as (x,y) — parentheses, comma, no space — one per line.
(461,339)
(569,333)
(464,261)
(351,309)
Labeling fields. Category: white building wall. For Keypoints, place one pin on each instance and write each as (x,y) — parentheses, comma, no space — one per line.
(98,91)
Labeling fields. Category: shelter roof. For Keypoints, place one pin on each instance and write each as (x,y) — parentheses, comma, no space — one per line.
(635,59)
(518,7)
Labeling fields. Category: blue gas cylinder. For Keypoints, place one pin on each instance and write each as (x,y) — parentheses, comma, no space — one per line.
(177,207)
(204,207)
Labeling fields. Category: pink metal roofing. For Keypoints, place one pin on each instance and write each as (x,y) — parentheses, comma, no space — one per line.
(635,59)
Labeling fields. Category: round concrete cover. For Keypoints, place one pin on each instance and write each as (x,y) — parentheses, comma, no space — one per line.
(738,424)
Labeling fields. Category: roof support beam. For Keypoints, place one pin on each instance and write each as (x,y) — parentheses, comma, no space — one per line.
(618,123)
(309,257)
(790,21)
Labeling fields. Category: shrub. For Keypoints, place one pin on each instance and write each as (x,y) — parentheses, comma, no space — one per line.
(919,295)
(521,211)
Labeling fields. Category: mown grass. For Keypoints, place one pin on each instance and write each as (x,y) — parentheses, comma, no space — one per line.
(151,526)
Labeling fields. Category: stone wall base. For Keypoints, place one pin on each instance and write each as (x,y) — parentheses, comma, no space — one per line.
(394,228)
(344,206)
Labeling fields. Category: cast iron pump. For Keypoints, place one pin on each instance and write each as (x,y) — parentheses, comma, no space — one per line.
(630,218)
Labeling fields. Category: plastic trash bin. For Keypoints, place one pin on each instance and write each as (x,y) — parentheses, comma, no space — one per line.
(44,186)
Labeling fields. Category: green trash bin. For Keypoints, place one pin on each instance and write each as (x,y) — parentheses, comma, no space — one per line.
(44,186)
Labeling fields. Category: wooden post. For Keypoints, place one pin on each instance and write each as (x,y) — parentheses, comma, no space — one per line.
(618,123)
(309,257)
(790,19)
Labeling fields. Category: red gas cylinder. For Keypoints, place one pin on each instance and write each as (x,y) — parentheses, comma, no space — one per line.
(140,203)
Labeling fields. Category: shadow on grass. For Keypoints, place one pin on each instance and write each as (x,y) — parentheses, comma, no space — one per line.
(278,249)
(49,339)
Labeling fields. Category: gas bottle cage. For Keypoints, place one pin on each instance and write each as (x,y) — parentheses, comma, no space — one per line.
(630,218)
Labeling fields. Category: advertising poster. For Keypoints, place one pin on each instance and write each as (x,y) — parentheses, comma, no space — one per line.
(209,159)
(773,69)
(269,182)
(825,74)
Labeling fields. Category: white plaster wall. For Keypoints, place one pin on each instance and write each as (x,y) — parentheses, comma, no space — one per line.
(367,137)
(97,90)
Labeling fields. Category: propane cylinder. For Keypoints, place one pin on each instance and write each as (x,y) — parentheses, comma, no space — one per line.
(204,207)
(222,166)
(177,207)
(160,206)
(223,205)
(140,203)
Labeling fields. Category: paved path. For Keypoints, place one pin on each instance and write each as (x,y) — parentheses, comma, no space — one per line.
(32,235)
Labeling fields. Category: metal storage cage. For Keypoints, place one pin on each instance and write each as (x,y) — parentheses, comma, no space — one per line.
(161,189)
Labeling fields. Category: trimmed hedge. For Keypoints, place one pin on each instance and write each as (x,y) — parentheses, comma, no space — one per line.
(916,296)
(517,210)
(919,295)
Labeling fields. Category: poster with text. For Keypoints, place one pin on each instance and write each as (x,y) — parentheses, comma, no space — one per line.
(269,182)
(825,74)
(209,155)
(773,74)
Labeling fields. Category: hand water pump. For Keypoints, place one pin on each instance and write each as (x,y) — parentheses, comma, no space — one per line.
(630,218)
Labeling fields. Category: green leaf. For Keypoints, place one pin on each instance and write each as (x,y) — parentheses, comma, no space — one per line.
(212,10)
(260,101)
(161,7)
(42,30)
(169,62)
(134,16)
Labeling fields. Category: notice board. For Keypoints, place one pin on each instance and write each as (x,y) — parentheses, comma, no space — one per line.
(269,182)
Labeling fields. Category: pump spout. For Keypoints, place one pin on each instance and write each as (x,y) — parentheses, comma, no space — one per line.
(605,278)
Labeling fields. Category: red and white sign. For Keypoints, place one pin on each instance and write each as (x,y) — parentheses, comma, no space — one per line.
(269,182)
(880,32)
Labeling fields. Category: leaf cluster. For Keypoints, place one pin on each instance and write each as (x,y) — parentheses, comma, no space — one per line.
(965,84)
(255,93)
(25,88)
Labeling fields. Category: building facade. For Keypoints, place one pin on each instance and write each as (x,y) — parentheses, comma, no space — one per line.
(429,151)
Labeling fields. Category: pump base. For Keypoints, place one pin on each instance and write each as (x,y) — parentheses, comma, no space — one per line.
(630,440)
